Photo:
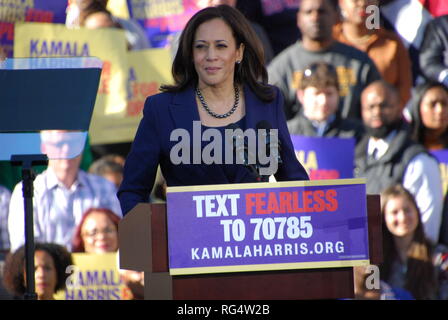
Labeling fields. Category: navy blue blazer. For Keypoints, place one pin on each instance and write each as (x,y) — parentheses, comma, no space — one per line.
(165,112)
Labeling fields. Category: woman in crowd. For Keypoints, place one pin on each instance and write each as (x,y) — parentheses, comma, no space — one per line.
(51,261)
(384,47)
(219,79)
(429,115)
(410,262)
(429,119)
(97,233)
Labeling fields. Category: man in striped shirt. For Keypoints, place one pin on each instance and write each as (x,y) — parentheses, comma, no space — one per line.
(62,194)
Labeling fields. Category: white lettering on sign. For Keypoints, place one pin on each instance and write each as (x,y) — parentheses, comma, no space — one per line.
(216,205)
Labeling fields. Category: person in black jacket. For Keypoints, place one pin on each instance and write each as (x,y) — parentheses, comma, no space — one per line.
(387,155)
(434,50)
(319,95)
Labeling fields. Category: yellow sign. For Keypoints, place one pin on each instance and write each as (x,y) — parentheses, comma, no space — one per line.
(126,80)
(148,69)
(39,40)
(118,8)
(93,277)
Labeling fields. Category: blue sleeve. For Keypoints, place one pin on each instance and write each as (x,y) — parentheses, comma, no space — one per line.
(401,294)
(142,161)
(290,169)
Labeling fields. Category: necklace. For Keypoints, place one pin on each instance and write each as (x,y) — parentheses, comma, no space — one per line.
(213,114)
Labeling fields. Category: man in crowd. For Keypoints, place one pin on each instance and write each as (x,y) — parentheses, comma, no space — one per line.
(356,70)
(386,155)
(434,50)
(62,194)
(319,95)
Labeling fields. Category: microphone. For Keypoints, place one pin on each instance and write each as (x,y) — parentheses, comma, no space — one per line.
(272,147)
(242,151)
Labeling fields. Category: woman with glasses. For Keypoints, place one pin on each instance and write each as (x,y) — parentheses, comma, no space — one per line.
(97,232)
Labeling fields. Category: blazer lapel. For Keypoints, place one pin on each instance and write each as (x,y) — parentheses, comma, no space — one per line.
(251,114)
(183,109)
(254,109)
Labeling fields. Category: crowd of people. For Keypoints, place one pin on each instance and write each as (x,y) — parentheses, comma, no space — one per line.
(336,78)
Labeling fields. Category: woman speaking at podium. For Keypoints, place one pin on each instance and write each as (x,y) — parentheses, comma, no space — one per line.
(219,80)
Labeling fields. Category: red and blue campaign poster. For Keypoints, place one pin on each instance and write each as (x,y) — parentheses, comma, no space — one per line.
(318,156)
(267,226)
(162,19)
(12,11)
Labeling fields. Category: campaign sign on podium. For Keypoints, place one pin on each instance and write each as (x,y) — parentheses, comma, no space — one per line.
(267,226)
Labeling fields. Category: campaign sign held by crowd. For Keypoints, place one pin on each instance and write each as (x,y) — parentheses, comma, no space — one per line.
(267,226)
(317,155)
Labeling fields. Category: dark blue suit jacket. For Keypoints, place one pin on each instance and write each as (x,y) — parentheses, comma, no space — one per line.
(166,112)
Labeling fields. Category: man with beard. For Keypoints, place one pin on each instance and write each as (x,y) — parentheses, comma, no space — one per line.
(355,69)
(387,155)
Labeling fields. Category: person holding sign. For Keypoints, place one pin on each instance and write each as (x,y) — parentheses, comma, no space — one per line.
(319,95)
(220,82)
(97,233)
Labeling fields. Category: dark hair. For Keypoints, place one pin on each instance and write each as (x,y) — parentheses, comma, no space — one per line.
(420,91)
(334,4)
(251,69)
(89,8)
(319,75)
(14,273)
(106,164)
(78,243)
(420,279)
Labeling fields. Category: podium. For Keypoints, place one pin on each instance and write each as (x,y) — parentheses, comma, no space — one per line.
(143,246)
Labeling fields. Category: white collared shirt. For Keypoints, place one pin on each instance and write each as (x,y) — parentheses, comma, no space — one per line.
(381,145)
(58,210)
(423,179)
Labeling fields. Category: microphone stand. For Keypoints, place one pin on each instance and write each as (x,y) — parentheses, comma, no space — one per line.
(28,175)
